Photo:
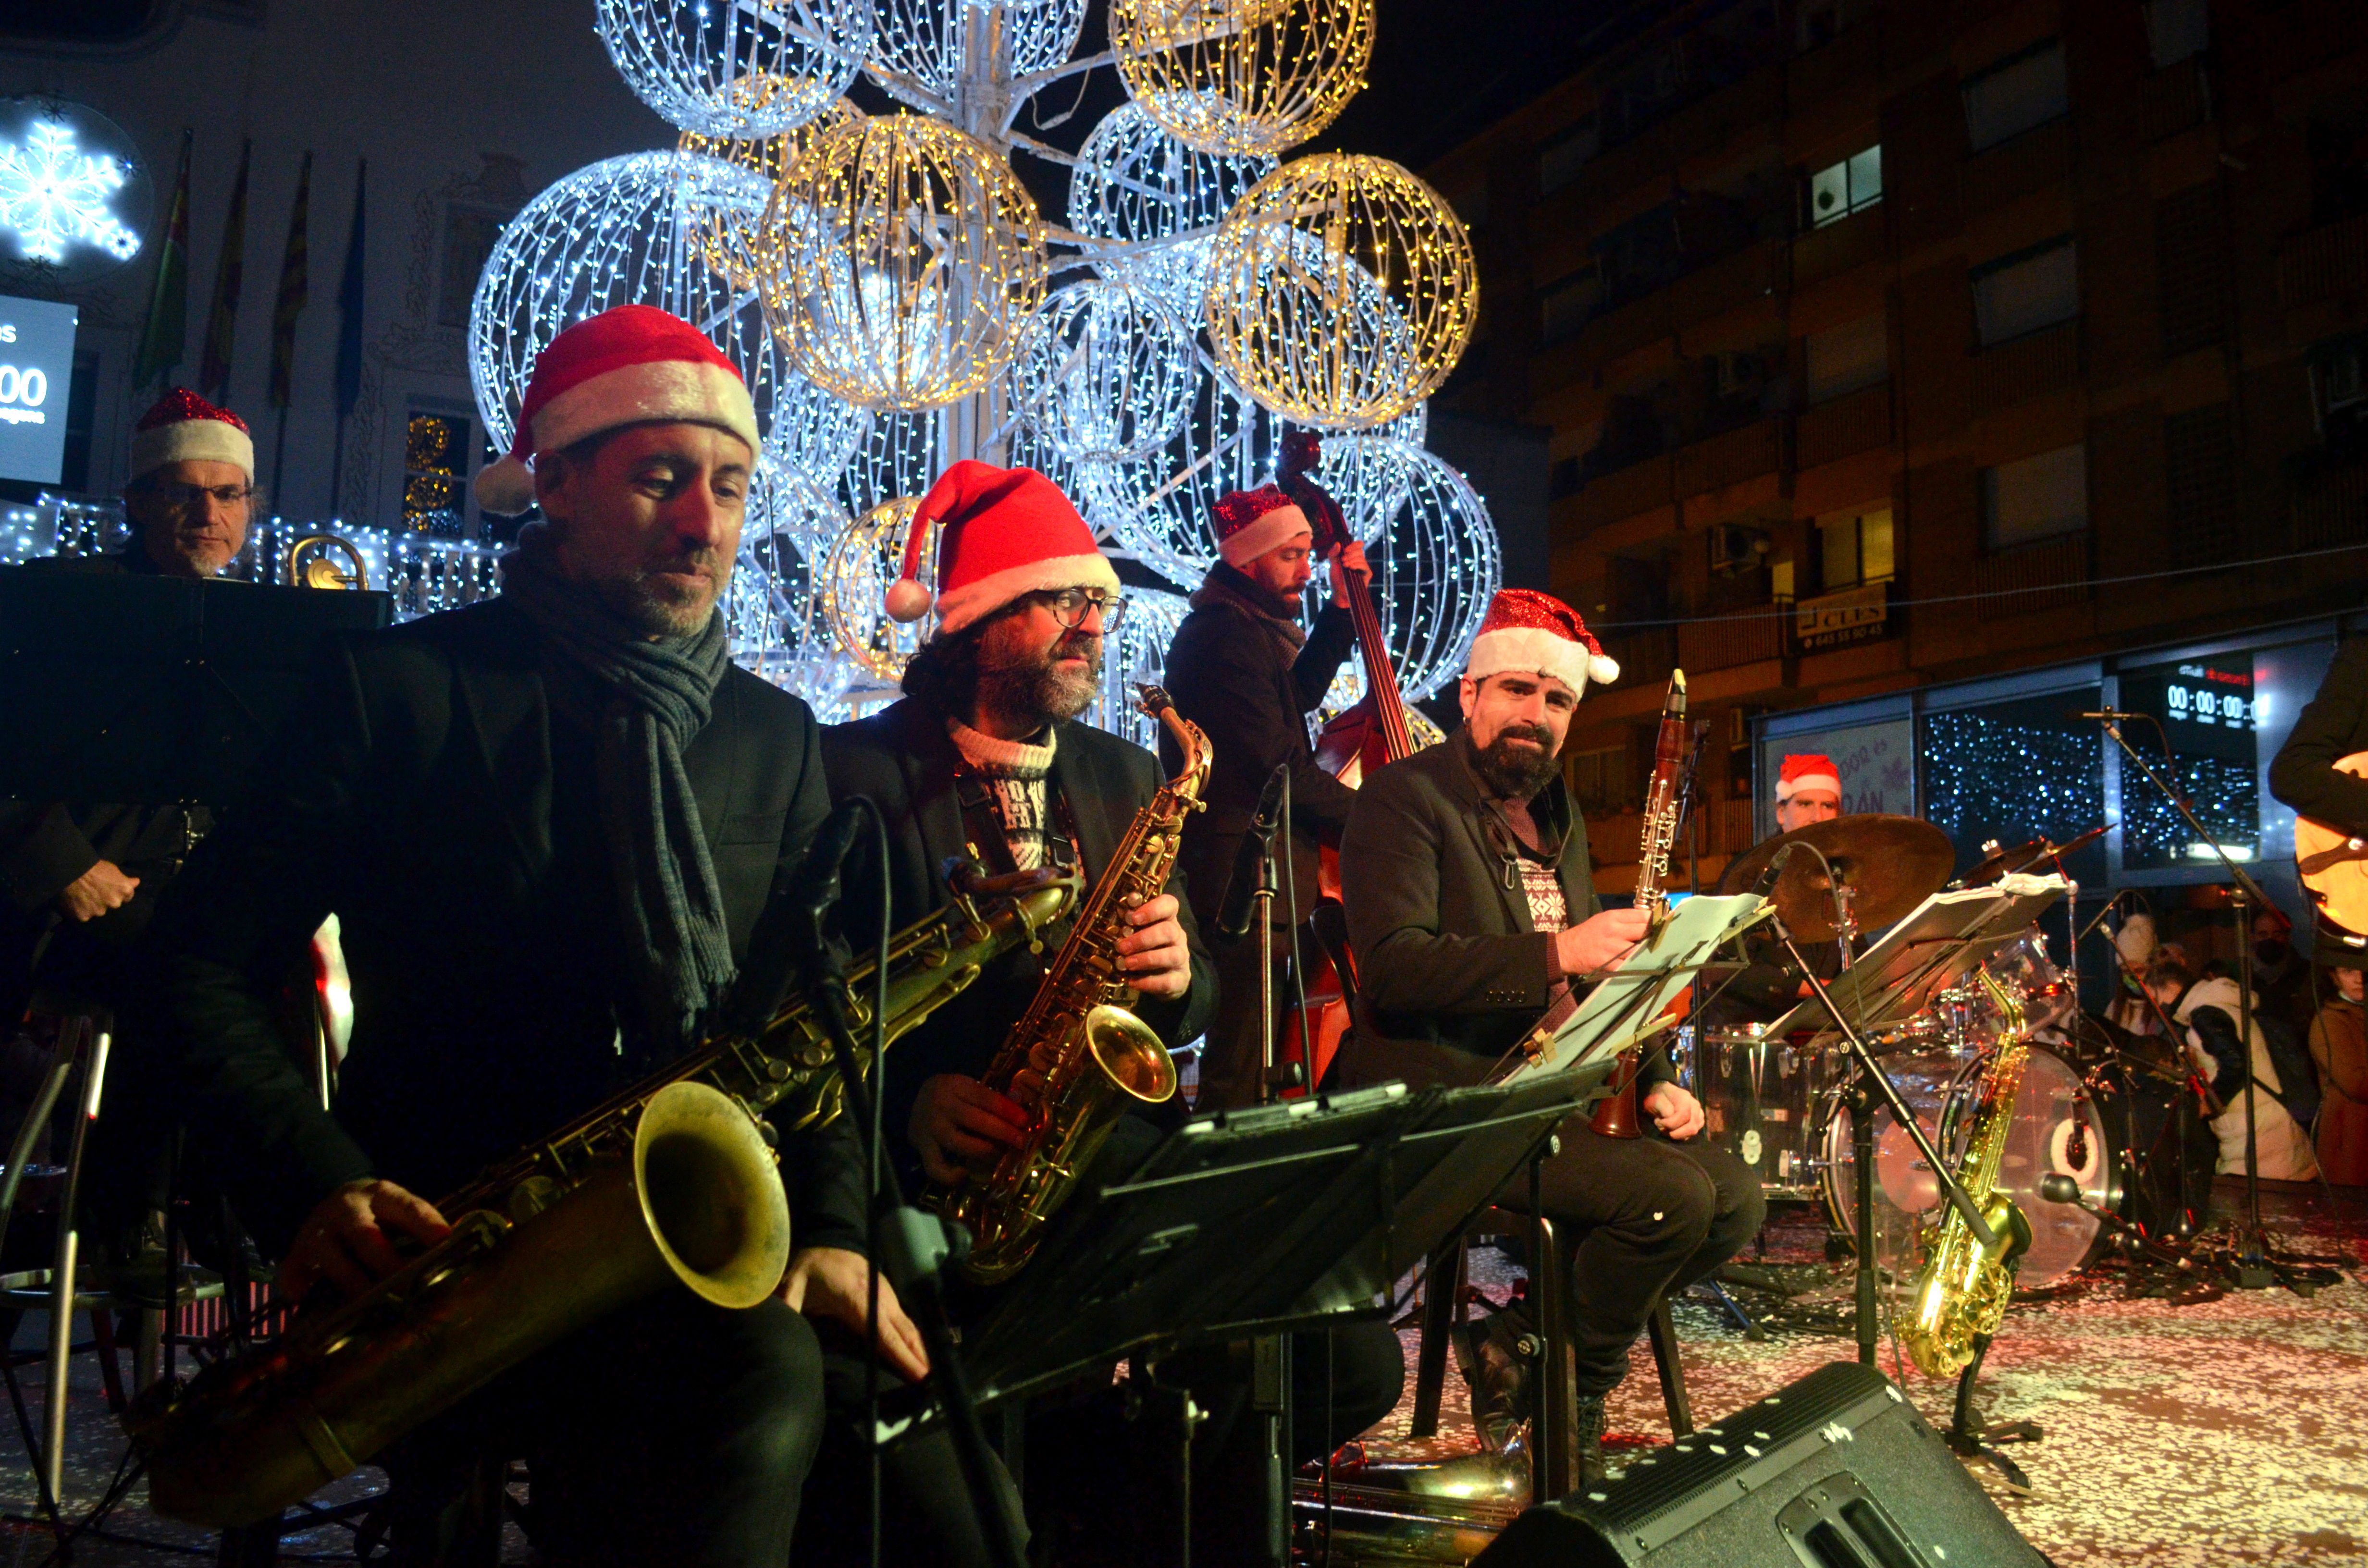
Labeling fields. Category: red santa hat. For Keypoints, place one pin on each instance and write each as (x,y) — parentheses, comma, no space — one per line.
(185,428)
(633,365)
(1812,770)
(1536,633)
(1002,532)
(1251,522)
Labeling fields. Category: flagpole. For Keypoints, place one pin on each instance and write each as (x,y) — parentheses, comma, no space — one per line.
(350,336)
(279,454)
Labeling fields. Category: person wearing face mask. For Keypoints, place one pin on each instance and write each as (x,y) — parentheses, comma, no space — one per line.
(1472,906)
(2281,976)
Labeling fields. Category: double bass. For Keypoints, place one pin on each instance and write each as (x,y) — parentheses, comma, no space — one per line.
(1367,736)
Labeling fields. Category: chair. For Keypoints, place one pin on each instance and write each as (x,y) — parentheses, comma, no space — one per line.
(1549,1286)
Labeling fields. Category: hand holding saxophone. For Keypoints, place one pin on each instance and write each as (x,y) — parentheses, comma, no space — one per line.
(960,1126)
(1158,963)
(349,1237)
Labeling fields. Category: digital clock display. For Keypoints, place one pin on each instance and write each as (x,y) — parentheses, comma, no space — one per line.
(2211,695)
(2208,715)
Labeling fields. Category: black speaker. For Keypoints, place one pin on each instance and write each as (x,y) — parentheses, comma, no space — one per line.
(1837,1471)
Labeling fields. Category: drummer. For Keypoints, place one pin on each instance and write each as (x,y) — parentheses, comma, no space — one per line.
(1808,790)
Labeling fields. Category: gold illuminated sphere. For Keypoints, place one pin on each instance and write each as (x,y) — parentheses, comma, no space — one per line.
(855,572)
(900,263)
(1341,291)
(728,238)
(1245,76)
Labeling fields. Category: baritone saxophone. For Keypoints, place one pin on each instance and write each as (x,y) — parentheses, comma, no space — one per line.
(1079,1034)
(675,1178)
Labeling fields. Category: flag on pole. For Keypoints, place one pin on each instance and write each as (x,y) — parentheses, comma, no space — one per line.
(349,306)
(295,287)
(230,272)
(167,329)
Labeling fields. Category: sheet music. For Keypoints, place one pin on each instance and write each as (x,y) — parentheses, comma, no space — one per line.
(1627,1002)
(1938,942)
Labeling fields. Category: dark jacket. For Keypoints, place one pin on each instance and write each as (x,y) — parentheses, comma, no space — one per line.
(1451,970)
(426,795)
(1240,670)
(902,758)
(2333,726)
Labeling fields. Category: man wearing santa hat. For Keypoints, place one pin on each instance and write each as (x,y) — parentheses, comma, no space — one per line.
(1471,907)
(1242,669)
(548,823)
(986,754)
(1808,789)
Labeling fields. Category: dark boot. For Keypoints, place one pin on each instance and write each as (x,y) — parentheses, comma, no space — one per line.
(1586,1441)
(1490,1354)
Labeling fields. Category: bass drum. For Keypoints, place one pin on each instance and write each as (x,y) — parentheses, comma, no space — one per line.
(1759,1099)
(2060,1129)
(1904,1185)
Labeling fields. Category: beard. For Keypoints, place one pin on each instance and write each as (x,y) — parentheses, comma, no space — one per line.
(1514,772)
(657,608)
(1039,690)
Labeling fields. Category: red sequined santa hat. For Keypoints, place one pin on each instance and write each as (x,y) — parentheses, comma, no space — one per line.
(185,428)
(1538,634)
(633,365)
(1002,532)
(1251,522)
(1808,770)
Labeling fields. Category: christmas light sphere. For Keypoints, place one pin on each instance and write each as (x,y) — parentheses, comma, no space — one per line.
(854,576)
(940,44)
(1160,506)
(1436,566)
(1137,654)
(788,504)
(1242,75)
(620,231)
(909,259)
(773,611)
(1341,290)
(730,234)
(1135,184)
(1366,472)
(729,68)
(1107,372)
(899,455)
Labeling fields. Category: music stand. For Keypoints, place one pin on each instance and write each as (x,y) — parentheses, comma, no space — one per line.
(1936,944)
(1626,1003)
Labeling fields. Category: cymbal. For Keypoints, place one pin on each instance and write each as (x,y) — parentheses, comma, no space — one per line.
(1893,863)
(2028,857)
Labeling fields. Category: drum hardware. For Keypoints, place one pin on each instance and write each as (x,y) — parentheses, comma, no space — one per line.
(1889,864)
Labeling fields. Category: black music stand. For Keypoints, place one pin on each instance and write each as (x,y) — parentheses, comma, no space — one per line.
(153,689)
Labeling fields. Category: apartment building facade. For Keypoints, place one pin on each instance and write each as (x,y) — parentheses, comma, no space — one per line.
(1892,344)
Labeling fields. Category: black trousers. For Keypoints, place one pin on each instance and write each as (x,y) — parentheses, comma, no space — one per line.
(1653,1215)
(674,1432)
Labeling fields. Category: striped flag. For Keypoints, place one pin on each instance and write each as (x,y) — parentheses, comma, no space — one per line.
(349,306)
(294,288)
(166,332)
(229,273)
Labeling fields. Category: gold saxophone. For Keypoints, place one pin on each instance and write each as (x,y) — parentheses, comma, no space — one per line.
(673,1179)
(1962,1291)
(1093,1053)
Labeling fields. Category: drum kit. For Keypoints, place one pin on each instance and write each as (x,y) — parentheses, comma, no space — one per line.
(2088,1103)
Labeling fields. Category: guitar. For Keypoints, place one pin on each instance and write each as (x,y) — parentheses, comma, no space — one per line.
(2333,865)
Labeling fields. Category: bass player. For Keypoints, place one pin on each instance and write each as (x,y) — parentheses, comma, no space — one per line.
(1471,907)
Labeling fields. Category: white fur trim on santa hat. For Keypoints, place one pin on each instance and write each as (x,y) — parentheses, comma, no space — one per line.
(991,592)
(1535,651)
(1787,789)
(1263,533)
(689,390)
(192,440)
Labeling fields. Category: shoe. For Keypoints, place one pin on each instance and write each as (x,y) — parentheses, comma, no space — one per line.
(1586,1442)
(1499,1377)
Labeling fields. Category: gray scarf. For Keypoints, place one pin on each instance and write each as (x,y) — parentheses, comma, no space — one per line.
(643,701)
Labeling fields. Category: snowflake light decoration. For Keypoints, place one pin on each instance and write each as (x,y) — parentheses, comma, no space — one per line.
(53,195)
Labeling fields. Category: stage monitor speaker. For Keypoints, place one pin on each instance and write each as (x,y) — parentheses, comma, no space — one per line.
(1837,1471)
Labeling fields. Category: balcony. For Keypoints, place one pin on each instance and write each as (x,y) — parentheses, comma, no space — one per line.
(1648,654)
(2175,99)
(1623,493)
(1755,272)
(2333,511)
(1624,330)
(1730,458)
(2035,160)
(2018,371)
(2051,574)
(1747,637)
(1858,422)
(1838,247)
(2325,262)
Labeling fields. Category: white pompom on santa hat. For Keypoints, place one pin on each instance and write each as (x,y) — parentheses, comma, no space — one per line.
(1535,633)
(1002,532)
(1808,770)
(184,428)
(631,365)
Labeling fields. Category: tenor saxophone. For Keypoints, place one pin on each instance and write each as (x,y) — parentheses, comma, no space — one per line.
(1961,1293)
(676,1178)
(1094,1056)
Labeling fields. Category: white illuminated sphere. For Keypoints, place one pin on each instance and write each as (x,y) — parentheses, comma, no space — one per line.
(731,68)
(1436,566)
(1135,184)
(1106,371)
(939,44)
(1162,506)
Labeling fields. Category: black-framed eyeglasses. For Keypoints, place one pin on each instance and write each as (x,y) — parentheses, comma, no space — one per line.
(1069,606)
(189,497)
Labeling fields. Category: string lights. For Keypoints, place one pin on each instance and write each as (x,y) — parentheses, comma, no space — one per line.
(742,68)
(1243,75)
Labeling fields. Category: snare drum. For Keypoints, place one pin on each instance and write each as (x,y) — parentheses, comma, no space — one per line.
(1760,1095)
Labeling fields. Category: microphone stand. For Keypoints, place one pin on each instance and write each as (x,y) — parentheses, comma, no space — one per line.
(2253,1269)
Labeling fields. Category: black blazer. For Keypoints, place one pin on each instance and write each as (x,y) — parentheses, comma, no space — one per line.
(902,758)
(413,797)
(2333,726)
(1451,970)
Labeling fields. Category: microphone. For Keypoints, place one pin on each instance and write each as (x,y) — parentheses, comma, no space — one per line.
(1241,889)
(2057,1189)
(1775,864)
(2113,714)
